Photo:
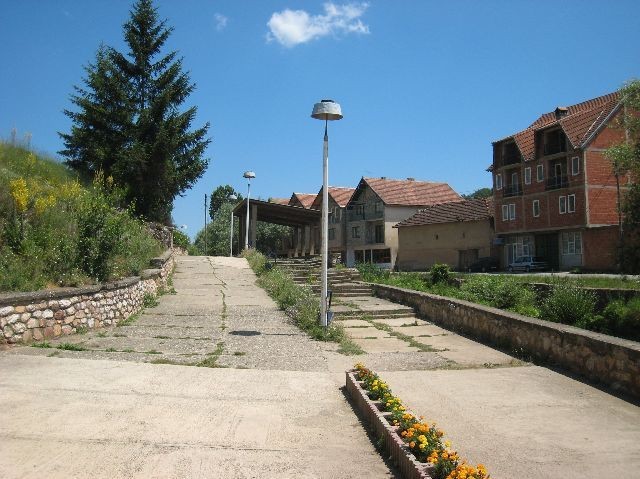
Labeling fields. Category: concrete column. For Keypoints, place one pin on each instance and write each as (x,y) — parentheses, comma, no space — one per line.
(296,242)
(253,225)
(241,223)
(307,240)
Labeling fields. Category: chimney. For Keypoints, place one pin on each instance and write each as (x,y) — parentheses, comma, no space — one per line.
(561,112)
(411,179)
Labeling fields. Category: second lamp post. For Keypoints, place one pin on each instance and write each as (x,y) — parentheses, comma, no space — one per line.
(248,175)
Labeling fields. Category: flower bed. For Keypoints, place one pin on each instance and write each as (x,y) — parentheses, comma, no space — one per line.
(415,445)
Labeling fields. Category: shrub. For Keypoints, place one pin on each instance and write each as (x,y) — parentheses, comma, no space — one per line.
(568,304)
(181,240)
(372,272)
(440,273)
(619,319)
(499,292)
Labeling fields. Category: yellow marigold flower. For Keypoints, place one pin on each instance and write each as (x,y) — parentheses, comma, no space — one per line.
(20,194)
(447,444)
(412,444)
(422,446)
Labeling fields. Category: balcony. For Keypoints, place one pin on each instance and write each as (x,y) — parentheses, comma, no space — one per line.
(512,190)
(557,182)
(365,213)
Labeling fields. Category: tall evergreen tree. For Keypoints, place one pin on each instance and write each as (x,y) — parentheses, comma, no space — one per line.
(129,123)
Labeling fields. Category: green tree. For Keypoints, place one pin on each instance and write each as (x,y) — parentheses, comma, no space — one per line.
(218,233)
(625,160)
(480,193)
(128,121)
(222,195)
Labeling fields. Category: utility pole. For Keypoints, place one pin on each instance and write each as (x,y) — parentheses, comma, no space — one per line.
(205,224)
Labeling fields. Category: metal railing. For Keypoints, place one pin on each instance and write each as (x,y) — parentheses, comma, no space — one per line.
(556,182)
(512,190)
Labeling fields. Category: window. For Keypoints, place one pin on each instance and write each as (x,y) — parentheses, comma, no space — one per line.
(554,142)
(505,212)
(572,242)
(332,234)
(381,256)
(355,232)
(514,180)
(499,181)
(360,210)
(379,233)
(378,207)
(571,204)
(527,175)
(562,204)
(536,208)
(512,211)
(540,173)
(575,165)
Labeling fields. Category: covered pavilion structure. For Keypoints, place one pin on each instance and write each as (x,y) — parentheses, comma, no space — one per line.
(302,220)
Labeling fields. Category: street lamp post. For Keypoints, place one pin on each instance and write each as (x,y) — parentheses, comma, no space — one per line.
(248,175)
(325,110)
(232,198)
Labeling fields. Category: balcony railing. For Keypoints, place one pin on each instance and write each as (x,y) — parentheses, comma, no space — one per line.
(512,190)
(556,182)
(553,148)
(367,213)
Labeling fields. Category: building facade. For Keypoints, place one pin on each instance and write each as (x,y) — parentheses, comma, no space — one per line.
(456,233)
(555,192)
(337,228)
(376,206)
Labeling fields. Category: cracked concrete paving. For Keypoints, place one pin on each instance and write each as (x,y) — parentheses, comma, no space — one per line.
(272,406)
(269,408)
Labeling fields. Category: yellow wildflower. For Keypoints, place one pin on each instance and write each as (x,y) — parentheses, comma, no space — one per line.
(20,194)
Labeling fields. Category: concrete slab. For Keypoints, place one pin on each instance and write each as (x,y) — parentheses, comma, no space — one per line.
(526,422)
(139,420)
(421,329)
(465,351)
(396,321)
(354,323)
(384,345)
(366,333)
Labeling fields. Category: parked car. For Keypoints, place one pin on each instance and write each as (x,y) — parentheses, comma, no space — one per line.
(483,265)
(528,263)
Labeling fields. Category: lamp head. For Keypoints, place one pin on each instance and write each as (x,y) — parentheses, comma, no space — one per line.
(327,110)
(249,174)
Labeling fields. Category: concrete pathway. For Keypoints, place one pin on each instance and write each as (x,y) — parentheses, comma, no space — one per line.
(115,410)
(268,403)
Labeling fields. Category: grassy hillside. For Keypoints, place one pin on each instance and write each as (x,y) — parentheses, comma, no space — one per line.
(57,231)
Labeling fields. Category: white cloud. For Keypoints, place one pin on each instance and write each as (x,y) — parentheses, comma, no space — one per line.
(292,27)
(221,21)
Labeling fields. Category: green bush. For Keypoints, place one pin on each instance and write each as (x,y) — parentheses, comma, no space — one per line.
(373,273)
(440,273)
(181,240)
(55,232)
(500,292)
(568,304)
(619,319)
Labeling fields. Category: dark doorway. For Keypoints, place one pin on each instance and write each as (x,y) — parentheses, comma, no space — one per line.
(547,247)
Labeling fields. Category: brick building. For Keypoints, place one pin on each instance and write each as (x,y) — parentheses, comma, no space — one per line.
(555,192)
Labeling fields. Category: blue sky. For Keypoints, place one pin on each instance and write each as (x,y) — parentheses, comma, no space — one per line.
(424,86)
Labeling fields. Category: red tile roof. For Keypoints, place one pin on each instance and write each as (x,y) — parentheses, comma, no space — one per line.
(279,201)
(304,199)
(411,192)
(579,123)
(453,212)
(340,195)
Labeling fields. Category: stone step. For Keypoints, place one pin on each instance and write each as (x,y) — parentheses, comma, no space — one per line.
(375,314)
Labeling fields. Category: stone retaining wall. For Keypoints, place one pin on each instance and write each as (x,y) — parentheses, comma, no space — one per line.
(51,313)
(608,360)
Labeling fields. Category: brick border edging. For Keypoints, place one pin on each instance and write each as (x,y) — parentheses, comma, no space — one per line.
(394,446)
